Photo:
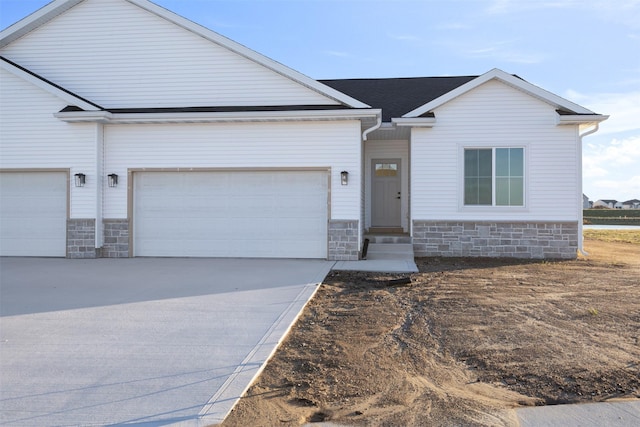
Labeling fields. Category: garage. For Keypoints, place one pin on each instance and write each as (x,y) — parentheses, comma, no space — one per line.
(261,214)
(33,214)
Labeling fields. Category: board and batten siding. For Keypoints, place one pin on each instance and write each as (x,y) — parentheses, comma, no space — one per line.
(495,114)
(334,144)
(117,54)
(32,138)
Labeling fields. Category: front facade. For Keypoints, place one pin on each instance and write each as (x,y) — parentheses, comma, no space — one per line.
(188,144)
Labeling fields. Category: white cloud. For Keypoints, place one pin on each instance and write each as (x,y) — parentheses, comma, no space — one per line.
(404,37)
(610,169)
(504,52)
(623,109)
(337,53)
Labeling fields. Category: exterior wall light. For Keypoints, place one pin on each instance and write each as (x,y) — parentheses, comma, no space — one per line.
(113,179)
(81,179)
(344,177)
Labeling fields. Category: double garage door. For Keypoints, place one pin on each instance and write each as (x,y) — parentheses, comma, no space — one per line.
(275,214)
(33,214)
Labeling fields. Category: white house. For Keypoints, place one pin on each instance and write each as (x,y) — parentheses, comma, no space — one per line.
(606,203)
(149,135)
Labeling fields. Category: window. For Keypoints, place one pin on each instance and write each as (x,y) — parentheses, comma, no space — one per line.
(494,177)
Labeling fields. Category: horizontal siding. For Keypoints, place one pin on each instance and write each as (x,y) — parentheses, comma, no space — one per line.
(119,55)
(227,145)
(31,138)
(495,114)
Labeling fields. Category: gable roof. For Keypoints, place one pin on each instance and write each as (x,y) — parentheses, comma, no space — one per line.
(569,108)
(48,86)
(57,7)
(397,96)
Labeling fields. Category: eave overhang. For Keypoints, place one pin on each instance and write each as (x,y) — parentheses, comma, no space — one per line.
(108,117)
(580,119)
(424,122)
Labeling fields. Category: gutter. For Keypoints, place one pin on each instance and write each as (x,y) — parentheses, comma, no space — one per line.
(580,216)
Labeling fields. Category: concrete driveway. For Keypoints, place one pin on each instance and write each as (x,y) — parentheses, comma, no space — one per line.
(140,341)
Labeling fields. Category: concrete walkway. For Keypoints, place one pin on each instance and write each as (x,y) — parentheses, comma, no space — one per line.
(140,341)
(607,414)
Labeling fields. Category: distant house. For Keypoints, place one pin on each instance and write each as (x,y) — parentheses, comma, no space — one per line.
(586,203)
(631,204)
(605,203)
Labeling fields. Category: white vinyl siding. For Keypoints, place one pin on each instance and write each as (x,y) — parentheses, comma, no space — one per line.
(274,214)
(30,137)
(33,213)
(334,145)
(495,115)
(118,55)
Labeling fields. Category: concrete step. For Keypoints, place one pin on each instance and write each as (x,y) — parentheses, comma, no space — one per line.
(390,247)
(390,251)
(388,238)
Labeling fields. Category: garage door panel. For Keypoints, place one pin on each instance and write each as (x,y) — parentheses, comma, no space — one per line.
(231,214)
(33,213)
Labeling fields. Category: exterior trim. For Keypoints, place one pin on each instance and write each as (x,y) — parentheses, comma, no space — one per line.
(214,117)
(47,86)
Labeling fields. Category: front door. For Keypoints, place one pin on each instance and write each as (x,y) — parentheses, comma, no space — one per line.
(386,193)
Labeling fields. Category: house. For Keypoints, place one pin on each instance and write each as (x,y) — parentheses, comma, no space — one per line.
(606,203)
(586,203)
(150,135)
(631,204)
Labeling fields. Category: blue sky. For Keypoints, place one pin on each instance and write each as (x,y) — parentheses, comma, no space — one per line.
(587,51)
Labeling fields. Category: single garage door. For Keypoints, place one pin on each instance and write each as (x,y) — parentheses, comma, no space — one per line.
(33,214)
(231,214)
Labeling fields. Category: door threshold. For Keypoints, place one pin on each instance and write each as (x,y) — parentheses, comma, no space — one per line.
(385,230)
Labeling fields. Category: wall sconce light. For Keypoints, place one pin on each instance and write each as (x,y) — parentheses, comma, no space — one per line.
(344,177)
(113,179)
(81,179)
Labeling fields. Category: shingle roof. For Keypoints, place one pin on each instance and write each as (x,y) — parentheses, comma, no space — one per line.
(397,96)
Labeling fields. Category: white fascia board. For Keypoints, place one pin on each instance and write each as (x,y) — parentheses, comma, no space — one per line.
(579,119)
(250,54)
(212,117)
(33,21)
(425,122)
(506,78)
(56,91)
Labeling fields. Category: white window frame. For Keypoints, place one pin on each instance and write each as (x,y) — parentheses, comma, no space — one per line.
(493,207)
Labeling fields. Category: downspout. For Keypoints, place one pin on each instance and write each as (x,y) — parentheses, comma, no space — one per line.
(363,179)
(372,128)
(580,216)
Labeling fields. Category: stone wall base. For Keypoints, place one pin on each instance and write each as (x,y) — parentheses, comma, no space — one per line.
(116,238)
(541,240)
(343,240)
(81,238)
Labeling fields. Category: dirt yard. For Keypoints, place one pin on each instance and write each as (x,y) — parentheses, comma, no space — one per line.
(464,343)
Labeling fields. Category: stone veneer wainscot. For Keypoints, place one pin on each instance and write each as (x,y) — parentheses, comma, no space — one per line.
(81,238)
(116,238)
(542,240)
(343,240)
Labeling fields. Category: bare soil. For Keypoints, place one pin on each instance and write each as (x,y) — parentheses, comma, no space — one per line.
(464,342)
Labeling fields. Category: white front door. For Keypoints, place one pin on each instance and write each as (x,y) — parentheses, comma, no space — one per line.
(386,193)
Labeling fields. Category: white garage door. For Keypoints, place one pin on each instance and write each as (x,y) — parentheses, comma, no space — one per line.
(231,214)
(33,214)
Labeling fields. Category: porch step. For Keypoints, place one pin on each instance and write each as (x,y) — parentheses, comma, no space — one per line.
(381,251)
(388,238)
